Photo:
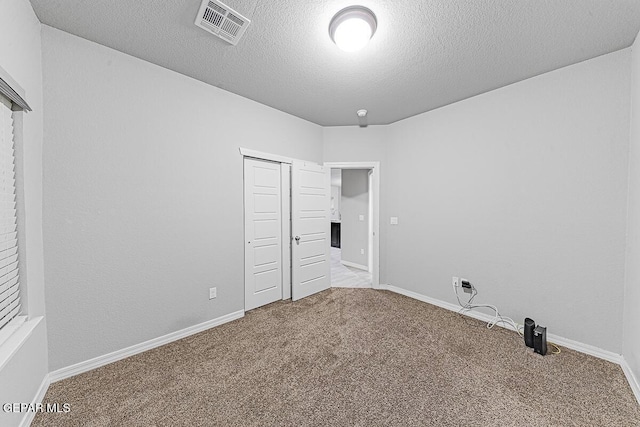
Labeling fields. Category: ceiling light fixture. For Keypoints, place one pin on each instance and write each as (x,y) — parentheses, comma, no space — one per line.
(352,28)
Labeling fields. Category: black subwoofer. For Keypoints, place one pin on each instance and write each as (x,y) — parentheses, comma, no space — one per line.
(529,326)
(540,340)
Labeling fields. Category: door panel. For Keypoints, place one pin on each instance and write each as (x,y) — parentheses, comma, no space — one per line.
(311,199)
(266,280)
(263,233)
(311,249)
(312,202)
(309,225)
(266,203)
(265,255)
(265,229)
(311,271)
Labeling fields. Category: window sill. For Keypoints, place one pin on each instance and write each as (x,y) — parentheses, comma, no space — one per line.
(14,335)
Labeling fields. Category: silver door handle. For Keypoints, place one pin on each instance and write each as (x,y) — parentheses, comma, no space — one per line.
(298,239)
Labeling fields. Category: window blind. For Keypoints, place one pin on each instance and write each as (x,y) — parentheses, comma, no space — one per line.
(9,278)
(17,102)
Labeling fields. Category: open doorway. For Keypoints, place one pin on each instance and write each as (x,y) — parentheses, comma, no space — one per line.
(353,225)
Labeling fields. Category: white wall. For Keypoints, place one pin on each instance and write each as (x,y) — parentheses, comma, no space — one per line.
(631,334)
(143,208)
(20,57)
(353,203)
(521,190)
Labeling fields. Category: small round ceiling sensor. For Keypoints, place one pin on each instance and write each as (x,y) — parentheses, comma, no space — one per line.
(361,113)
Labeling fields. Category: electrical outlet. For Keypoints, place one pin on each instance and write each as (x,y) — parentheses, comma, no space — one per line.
(393,220)
(213,293)
(361,251)
(361,217)
(455,282)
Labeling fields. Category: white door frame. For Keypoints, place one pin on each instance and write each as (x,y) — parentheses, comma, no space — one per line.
(374,193)
(285,191)
(370,225)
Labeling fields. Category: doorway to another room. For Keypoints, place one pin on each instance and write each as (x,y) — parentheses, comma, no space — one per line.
(351,228)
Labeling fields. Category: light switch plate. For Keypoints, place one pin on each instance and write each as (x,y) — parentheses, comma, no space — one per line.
(213,293)
(394,220)
(361,217)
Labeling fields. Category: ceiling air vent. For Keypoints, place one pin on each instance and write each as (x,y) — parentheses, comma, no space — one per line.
(219,19)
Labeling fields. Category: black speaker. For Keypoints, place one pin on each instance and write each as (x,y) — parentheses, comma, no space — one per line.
(529,326)
(540,340)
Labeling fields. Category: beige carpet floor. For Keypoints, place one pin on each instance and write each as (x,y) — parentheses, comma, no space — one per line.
(348,357)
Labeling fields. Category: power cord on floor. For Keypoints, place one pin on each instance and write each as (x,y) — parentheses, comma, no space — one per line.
(558,350)
(497,318)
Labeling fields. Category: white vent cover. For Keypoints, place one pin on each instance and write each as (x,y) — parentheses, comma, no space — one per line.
(219,19)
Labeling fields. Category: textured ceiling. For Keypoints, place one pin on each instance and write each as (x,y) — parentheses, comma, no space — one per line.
(425,54)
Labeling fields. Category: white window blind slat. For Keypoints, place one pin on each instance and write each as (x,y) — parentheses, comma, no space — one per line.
(9,276)
(9,283)
(13,312)
(8,237)
(4,206)
(7,221)
(9,304)
(8,229)
(5,262)
(8,244)
(10,294)
(8,253)
(9,269)
(5,189)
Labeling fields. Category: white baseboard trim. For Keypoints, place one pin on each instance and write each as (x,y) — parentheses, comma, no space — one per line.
(96,362)
(30,415)
(564,342)
(586,349)
(354,265)
(633,381)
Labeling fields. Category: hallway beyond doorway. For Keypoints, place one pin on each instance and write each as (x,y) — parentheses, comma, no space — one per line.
(347,277)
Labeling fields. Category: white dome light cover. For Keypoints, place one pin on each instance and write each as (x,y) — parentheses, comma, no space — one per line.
(352,27)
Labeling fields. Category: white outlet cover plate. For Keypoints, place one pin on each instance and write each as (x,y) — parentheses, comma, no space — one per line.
(394,220)
(361,217)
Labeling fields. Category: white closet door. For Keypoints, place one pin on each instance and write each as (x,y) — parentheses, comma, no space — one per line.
(311,228)
(263,233)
